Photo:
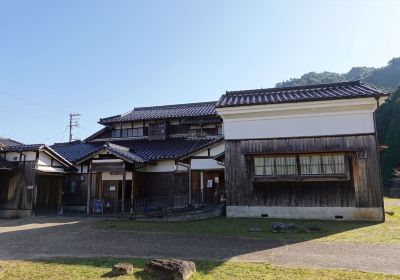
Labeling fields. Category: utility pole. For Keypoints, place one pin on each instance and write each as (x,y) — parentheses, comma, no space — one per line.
(73,122)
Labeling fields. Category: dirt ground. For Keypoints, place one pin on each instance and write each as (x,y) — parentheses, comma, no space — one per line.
(49,237)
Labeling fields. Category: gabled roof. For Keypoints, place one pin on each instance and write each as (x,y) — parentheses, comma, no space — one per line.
(36,148)
(8,142)
(116,150)
(74,151)
(171,148)
(138,150)
(318,92)
(165,112)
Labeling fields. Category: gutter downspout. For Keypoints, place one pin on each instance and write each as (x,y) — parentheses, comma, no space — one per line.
(189,169)
(379,157)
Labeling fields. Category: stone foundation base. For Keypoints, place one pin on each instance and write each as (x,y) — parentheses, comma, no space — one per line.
(317,213)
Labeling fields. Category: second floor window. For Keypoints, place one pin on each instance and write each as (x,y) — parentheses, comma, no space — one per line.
(127,132)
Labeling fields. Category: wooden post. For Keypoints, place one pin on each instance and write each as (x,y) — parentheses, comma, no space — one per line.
(123,190)
(132,189)
(190,184)
(89,189)
(34,194)
(202,186)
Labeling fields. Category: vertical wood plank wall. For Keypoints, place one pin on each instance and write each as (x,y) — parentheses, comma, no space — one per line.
(18,196)
(364,189)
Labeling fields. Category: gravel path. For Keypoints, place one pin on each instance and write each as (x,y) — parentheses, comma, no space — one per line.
(74,237)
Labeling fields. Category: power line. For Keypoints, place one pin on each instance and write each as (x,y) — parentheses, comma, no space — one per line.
(73,122)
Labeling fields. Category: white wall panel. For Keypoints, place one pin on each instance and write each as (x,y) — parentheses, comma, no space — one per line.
(300,126)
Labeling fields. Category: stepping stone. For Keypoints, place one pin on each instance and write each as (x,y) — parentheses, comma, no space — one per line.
(122,269)
(284,228)
(255,229)
(173,269)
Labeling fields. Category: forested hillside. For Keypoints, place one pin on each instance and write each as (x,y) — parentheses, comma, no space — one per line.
(387,117)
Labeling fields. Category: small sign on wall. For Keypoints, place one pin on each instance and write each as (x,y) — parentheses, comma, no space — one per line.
(209,183)
(112,188)
(29,187)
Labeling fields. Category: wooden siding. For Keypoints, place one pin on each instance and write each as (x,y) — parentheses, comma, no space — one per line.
(14,193)
(363,190)
(79,198)
(49,193)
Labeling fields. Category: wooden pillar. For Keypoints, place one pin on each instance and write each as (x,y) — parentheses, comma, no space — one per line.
(202,186)
(34,194)
(89,189)
(123,190)
(190,184)
(132,189)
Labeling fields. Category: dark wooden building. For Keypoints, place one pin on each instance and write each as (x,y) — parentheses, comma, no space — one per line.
(31,180)
(303,152)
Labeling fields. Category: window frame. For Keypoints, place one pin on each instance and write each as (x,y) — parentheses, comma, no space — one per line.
(299,176)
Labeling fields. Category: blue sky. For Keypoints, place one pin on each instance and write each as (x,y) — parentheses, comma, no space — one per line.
(102,58)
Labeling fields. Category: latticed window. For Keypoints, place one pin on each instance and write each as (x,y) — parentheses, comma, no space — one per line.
(309,164)
(322,164)
(275,165)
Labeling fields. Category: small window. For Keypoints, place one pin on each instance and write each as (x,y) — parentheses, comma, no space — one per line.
(116,133)
(124,133)
(219,130)
(72,187)
(275,166)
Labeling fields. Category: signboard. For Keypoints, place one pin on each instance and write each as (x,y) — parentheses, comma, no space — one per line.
(209,183)
(29,187)
(112,188)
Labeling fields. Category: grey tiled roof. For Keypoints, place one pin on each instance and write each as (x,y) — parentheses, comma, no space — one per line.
(23,148)
(8,142)
(319,92)
(139,150)
(165,112)
(172,148)
(74,151)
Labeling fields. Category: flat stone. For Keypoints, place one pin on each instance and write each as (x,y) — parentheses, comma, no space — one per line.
(312,229)
(173,269)
(255,229)
(284,228)
(122,269)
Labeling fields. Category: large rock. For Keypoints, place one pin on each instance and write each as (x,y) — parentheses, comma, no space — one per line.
(284,228)
(173,269)
(122,269)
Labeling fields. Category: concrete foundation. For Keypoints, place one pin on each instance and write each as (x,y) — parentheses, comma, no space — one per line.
(315,213)
(13,214)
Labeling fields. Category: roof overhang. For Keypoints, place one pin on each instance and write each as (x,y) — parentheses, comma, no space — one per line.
(120,152)
(205,147)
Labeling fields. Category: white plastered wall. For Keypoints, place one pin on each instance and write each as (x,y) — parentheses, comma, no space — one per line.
(320,118)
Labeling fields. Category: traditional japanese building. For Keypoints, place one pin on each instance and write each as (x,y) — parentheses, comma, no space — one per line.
(159,156)
(299,152)
(305,152)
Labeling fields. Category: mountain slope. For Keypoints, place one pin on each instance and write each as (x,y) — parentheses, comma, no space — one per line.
(387,77)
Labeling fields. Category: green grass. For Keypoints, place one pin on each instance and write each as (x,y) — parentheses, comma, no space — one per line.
(99,268)
(340,231)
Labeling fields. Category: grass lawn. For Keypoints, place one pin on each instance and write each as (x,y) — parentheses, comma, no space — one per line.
(341,231)
(98,268)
